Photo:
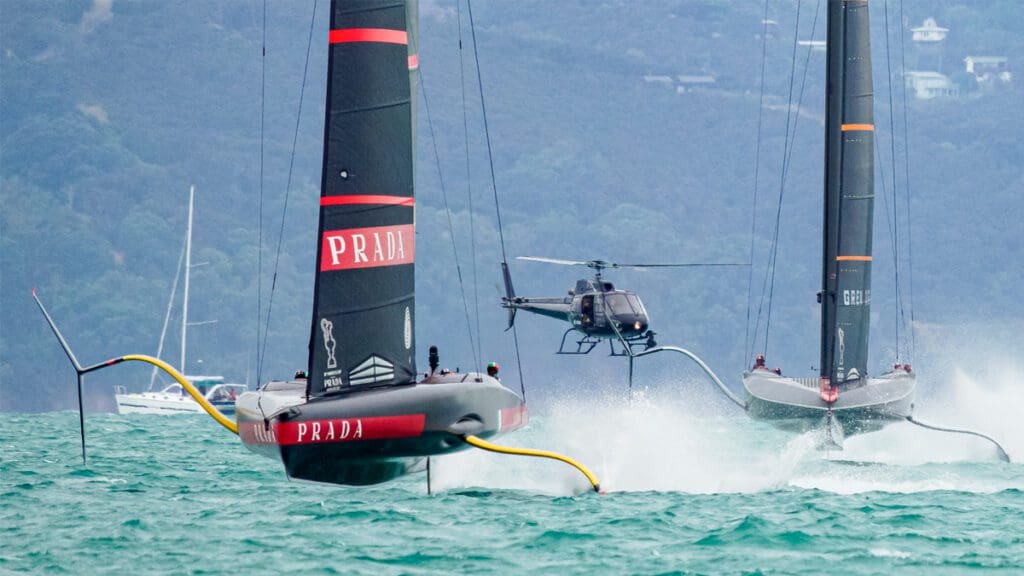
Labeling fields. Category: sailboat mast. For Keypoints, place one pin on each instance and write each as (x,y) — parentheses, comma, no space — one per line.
(849,194)
(188,265)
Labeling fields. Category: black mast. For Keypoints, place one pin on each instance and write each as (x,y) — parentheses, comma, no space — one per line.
(849,194)
(363,311)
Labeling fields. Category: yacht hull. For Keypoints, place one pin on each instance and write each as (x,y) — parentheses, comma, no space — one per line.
(796,405)
(157,403)
(370,436)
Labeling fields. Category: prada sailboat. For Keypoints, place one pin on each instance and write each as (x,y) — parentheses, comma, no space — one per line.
(364,415)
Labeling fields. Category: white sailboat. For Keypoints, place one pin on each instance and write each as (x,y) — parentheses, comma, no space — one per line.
(173,399)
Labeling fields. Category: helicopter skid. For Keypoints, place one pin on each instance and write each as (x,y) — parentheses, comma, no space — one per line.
(588,342)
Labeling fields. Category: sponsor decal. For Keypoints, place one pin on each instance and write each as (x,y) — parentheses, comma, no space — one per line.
(327,327)
(856,297)
(257,433)
(372,370)
(408,328)
(349,429)
(333,430)
(332,375)
(841,368)
(853,374)
(368,247)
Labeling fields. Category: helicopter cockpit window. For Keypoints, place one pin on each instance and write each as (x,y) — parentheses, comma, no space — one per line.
(636,304)
(619,304)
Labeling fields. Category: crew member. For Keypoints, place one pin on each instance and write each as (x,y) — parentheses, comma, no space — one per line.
(300,375)
(492,370)
(759,362)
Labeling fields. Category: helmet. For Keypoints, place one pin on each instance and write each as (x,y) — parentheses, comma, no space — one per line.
(492,368)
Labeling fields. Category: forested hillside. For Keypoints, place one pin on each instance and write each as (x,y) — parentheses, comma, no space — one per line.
(110,110)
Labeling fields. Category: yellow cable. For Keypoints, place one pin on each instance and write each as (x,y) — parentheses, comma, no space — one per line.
(484,445)
(216,414)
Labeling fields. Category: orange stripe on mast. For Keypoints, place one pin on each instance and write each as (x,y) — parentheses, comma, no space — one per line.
(853,258)
(865,127)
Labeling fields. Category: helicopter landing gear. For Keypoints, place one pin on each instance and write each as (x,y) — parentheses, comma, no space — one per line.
(583,345)
(630,345)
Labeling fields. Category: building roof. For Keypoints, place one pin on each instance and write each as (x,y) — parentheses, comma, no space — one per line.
(986,59)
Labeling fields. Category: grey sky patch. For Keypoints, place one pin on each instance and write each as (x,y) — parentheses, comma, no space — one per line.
(95,111)
(100,12)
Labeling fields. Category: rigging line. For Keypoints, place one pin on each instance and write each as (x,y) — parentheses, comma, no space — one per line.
(448,212)
(748,346)
(494,184)
(787,151)
(259,219)
(167,315)
(895,213)
(469,184)
(288,185)
(487,132)
(890,228)
(775,234)
(906,172)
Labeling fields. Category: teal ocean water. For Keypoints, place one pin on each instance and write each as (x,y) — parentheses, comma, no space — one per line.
(689,491)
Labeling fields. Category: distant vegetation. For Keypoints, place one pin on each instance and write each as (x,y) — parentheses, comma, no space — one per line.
(107,118)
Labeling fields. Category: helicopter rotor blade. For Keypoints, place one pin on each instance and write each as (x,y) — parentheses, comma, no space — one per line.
(682,265)
(604,264)
(554,260)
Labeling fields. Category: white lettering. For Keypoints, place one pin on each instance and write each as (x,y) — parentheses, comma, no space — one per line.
(302,430)
(378,251)
(391,245)
(330,429)
(359,429)
(359,245)
(401,246)
(345,429)
(337,246)
(316,431)
(856,297)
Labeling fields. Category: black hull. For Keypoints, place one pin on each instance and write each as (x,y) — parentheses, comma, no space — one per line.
(370,436)
(796,405)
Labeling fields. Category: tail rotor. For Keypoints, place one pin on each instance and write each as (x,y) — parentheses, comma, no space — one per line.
(510,295)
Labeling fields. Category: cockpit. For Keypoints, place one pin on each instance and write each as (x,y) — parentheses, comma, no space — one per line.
(627,309)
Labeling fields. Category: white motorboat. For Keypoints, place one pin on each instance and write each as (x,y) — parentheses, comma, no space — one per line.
(174,400)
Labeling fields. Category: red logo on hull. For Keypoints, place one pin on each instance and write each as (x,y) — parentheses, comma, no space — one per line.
(368,247)
(334,430)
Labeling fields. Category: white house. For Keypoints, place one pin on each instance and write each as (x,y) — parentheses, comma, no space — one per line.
(929,85)
(988,69)
(929,32)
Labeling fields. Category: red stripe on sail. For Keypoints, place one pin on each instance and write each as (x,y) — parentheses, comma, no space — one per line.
(368,35)
(414,61)
(374,247)
(349,429)
(367,199)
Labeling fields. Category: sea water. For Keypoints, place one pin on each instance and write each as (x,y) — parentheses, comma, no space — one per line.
(692,487)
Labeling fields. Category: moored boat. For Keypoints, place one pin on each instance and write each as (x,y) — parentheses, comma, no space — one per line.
(173,399)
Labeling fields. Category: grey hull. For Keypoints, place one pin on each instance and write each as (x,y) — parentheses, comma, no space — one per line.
(374,435)
(796,405)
